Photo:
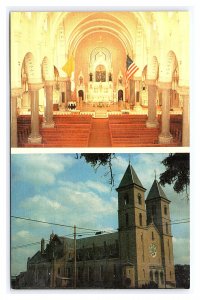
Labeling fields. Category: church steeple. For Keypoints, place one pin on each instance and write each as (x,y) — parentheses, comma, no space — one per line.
(132,223)
(130,177)
(156,191)
(158,211)
(157,206)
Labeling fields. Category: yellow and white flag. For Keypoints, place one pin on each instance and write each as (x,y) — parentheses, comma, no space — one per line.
(68,68)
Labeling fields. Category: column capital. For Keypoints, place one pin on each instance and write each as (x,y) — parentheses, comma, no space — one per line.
(164,85)
(150,81)
(63,79)
(16,92)
(49,82)
(183,90)
(35,86)
(137,78)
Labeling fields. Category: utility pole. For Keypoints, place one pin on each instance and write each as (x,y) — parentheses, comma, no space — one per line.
(74,256)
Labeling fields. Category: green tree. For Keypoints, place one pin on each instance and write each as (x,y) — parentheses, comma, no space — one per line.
(100,159)
(177,168)
(177,171)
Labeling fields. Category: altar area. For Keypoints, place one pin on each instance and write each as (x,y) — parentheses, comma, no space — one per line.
(100,92)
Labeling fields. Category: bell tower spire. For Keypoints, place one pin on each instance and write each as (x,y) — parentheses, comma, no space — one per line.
(157,206)
(132,224)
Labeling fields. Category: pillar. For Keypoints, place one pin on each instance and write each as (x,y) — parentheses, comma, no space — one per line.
(35,137)
(184,92)
(25,101)
(137,91)
(152,121)
(132,92)
(68,89)
(165,137)
(49,123)
(15,93)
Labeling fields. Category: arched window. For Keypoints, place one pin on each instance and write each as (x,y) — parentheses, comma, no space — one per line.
(139,198)
(167,229)
(140,219)
(156,277)
(152,235)
(100,73)
(151,276)
(127,219)
(165,210)
(126,199)
(161,277)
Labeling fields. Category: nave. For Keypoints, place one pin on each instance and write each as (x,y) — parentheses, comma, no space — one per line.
(86,131)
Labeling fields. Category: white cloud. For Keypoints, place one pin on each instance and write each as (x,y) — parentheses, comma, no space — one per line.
(40,168)
(102,188)
(23,234)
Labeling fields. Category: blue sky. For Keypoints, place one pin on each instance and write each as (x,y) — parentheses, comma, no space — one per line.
(60,189)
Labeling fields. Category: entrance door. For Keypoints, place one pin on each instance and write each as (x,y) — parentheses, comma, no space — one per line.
(81,94)
(120,95)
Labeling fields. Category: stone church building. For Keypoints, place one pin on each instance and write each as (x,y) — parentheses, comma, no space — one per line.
(70,80)
(138,255)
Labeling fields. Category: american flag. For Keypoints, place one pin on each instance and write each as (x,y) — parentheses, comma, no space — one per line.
(131,68)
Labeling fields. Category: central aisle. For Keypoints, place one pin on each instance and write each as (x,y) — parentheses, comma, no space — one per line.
(100,134)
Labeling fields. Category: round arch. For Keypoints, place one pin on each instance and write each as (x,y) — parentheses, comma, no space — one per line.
(47,69)
(152,69)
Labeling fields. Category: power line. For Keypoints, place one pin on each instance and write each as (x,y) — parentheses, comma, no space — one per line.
(56,224)
(178,221)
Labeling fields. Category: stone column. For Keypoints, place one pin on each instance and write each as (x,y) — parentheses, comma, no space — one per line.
(184,92)
(35,137)
(165,137)
(49,123)
(25,101)
(15,93)
(68,89)
(152,121)
(137,91)
(132,92)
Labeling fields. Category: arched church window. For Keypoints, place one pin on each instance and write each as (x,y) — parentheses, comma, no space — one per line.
(152,235)
(139,198)
(156,277)
(126,199)
(140,219)
(91,76)
(161,277)
(151,276)
(165,210)
(100,73)
(127,219)
(167,229)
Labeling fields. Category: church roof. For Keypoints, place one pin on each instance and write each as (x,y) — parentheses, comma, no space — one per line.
(156,191)
(129,178)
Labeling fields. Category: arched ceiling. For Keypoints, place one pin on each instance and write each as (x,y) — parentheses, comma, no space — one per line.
(121,25)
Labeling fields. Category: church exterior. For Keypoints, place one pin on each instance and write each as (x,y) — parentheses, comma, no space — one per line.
(138,255)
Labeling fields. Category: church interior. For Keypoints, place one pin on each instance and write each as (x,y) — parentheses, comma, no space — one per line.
(71,86)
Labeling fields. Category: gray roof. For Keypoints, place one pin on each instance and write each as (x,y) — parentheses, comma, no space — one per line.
(98,240)
(129,178)
(156,191)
